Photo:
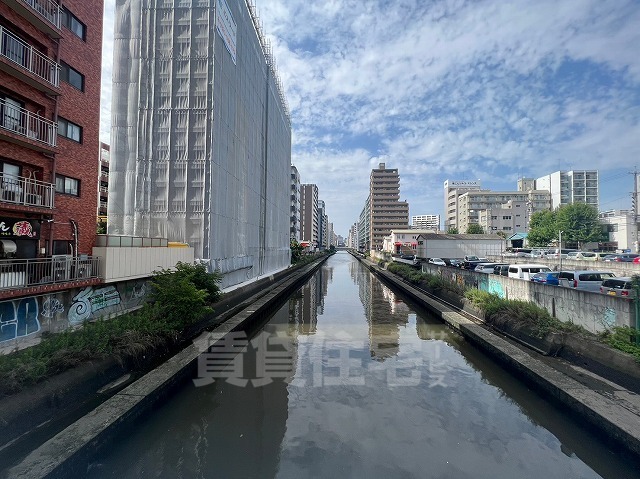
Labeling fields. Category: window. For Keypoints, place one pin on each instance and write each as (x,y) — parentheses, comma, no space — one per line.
(11,114)
(506,217)
(70,21)
(69,130)
(72,76)
(69,186)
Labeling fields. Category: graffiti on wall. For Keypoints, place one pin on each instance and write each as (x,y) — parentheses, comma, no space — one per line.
(51,307)
(55,312)
(18,318)
(88,301)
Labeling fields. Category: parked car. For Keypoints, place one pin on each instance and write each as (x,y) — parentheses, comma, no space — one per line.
(501,269)
(437,261)
(572,254)
(590,256)
(622,257)
(455,262)
(537,253)
(586,280)
(470,262)
(621,287)
(486,267)
(558,253)
(550,278)
(524,271)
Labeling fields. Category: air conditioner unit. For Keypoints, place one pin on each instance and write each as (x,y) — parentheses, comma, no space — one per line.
(61,267)
(83,271)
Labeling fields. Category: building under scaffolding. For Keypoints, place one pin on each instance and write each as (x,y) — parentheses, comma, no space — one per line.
(201,134)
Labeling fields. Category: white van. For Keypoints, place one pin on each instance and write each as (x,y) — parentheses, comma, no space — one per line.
(525,271)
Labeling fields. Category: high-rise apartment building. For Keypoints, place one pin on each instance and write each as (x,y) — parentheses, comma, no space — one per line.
(387,212)
(322,229)
(425,222)
(567,187)
(452,190)
(50,65)
(309,223)
(201,134)
(294,225)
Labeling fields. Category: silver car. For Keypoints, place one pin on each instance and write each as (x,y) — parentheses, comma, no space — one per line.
(584,279)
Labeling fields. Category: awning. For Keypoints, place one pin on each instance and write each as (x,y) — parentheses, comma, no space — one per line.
(398,243)
(7,247)
(517,236)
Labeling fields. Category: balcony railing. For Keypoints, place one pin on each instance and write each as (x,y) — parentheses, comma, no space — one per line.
(48,9)
(25,123)
(25,191)
(25,273)
(24,55)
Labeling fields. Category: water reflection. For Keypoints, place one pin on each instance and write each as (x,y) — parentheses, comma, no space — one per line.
(378,389)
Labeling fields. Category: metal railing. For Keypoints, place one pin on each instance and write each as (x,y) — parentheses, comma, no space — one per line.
(25,191)
(23,54)
(26,123)
(48,9)
(25,273)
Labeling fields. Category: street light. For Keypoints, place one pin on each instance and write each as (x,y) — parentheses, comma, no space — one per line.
(560,247)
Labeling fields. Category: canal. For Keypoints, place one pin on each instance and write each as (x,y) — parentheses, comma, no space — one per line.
(349,379)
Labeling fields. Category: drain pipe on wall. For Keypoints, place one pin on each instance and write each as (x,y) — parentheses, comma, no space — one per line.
(74,225)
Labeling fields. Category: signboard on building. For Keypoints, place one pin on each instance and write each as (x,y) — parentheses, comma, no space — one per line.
(464,184)
(226,27)
(17,228)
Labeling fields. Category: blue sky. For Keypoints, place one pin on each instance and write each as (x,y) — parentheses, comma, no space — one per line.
(489,90)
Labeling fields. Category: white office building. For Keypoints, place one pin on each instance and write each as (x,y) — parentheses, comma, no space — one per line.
(568,187)
(452,190)
(425,222)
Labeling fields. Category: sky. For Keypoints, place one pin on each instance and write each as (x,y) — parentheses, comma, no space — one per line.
(454,89)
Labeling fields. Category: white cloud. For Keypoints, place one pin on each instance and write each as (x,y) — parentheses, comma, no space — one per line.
(453,89)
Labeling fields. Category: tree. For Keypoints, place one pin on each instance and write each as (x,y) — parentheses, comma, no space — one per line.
(474,229)
(542,228)
(452,230)
(296,250)
(579,223)
(101,227)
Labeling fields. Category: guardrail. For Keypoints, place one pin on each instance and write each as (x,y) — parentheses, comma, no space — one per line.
(23,54)
(28,124)
(25,191)
(48,9)
(24,273)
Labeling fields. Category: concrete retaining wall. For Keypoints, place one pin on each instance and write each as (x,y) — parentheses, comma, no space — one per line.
(594,311)
(23,320)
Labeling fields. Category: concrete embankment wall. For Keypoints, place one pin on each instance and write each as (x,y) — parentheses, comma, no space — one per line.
(618,422)
(594,311)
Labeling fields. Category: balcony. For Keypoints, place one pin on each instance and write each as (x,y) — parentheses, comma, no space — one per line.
(27,273)
(28,64)
(45,15)
(26,128)
(26,192)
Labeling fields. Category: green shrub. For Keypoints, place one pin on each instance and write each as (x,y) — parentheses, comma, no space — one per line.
(624,339)
(499,311)
(177,299)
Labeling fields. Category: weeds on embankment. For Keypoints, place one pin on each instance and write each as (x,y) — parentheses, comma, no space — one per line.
(178,299)
(537,320)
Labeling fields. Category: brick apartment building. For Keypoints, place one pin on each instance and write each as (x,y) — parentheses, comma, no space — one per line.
(50,66)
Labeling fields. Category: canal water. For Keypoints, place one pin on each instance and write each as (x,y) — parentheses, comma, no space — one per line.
(350,380)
